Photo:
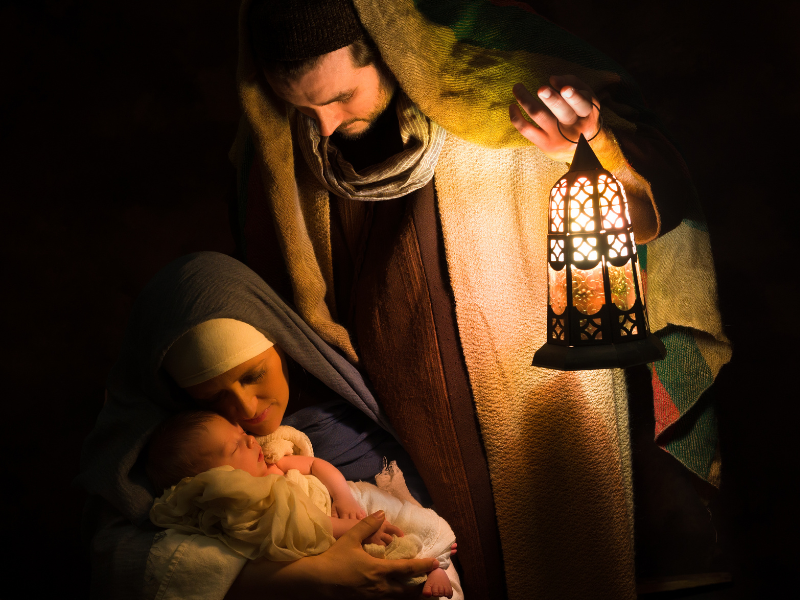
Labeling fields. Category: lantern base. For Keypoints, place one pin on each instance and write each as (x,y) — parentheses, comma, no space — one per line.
(607,356)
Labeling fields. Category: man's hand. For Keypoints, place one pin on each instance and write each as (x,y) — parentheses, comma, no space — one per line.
(568,101)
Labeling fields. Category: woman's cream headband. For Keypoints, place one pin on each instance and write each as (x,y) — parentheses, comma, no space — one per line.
(211,348)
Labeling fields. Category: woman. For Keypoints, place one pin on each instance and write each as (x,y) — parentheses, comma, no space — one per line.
(130,557)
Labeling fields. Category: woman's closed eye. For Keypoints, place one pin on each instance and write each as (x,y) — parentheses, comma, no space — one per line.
(254,377)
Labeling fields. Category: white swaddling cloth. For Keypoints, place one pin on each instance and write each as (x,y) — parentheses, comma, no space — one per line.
(431,532)
(427,535)
(254,516)
(287,518)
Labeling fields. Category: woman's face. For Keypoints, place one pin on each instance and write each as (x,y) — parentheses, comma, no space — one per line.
(253,394)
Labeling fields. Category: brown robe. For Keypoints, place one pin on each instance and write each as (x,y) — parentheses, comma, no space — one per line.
(392,293)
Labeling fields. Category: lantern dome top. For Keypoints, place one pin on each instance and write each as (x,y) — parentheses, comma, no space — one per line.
(585,158)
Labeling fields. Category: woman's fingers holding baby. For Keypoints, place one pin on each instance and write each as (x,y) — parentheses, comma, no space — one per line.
(384,532)
(373,525)
(384,535)
(392,529)
(380,537)
(359,575)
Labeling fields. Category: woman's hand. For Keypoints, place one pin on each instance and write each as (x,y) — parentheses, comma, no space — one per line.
(343,572)
(383,537)
(568,102)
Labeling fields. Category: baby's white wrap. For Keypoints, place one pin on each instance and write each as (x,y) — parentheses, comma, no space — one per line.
(286,518)
(254,516)
(428,535)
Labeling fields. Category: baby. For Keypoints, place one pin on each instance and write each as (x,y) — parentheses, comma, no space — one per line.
(191,443)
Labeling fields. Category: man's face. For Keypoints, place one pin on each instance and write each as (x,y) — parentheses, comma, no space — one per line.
(229,444)
(337,95)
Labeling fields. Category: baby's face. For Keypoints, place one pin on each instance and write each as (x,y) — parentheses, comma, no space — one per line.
(228,444)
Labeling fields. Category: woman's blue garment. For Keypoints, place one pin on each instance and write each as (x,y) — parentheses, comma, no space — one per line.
(351,431)
(354,444)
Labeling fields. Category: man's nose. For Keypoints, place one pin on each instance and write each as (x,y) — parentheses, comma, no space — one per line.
(328,119)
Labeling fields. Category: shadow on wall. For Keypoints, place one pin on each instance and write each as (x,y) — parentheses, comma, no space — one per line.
(116,121)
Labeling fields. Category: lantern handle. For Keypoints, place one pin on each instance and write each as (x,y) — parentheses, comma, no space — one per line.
(599,126)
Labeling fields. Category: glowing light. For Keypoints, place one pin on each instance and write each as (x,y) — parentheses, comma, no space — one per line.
(557,289)
(557,329)
(610,200)
(557,201)
(590,329)
(617,246)
(581,210)
(593,305)
(584,248)
(627,325)
(620,282)
(588,294)
(557,250)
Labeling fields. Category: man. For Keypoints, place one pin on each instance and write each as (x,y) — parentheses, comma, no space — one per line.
(410,218)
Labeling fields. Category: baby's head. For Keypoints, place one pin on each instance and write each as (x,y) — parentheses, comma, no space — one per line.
(191,442)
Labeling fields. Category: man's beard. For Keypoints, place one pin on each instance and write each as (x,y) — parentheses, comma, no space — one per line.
(388,86)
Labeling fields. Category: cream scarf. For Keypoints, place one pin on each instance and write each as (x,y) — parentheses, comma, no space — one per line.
(397,176)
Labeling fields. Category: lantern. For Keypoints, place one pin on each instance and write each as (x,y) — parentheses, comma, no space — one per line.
(595,311)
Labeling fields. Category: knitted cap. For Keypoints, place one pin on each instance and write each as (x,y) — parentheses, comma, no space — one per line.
(211,348)
(282,30)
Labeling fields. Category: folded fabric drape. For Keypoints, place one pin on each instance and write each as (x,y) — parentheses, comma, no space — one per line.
(254,516)
(398,176)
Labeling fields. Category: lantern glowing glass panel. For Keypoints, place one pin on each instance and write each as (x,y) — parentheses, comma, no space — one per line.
(595,311)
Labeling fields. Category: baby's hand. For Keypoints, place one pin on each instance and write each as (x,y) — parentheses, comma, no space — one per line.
(346,507)
(383,537)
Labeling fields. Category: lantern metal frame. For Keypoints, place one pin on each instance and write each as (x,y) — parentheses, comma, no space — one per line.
(589,229)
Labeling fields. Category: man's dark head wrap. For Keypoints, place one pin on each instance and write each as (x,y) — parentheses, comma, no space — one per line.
(295,30)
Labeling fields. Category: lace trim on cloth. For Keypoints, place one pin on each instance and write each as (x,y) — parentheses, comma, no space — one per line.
(397,176)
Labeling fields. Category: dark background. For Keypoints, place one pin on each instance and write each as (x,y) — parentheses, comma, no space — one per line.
(115,121)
